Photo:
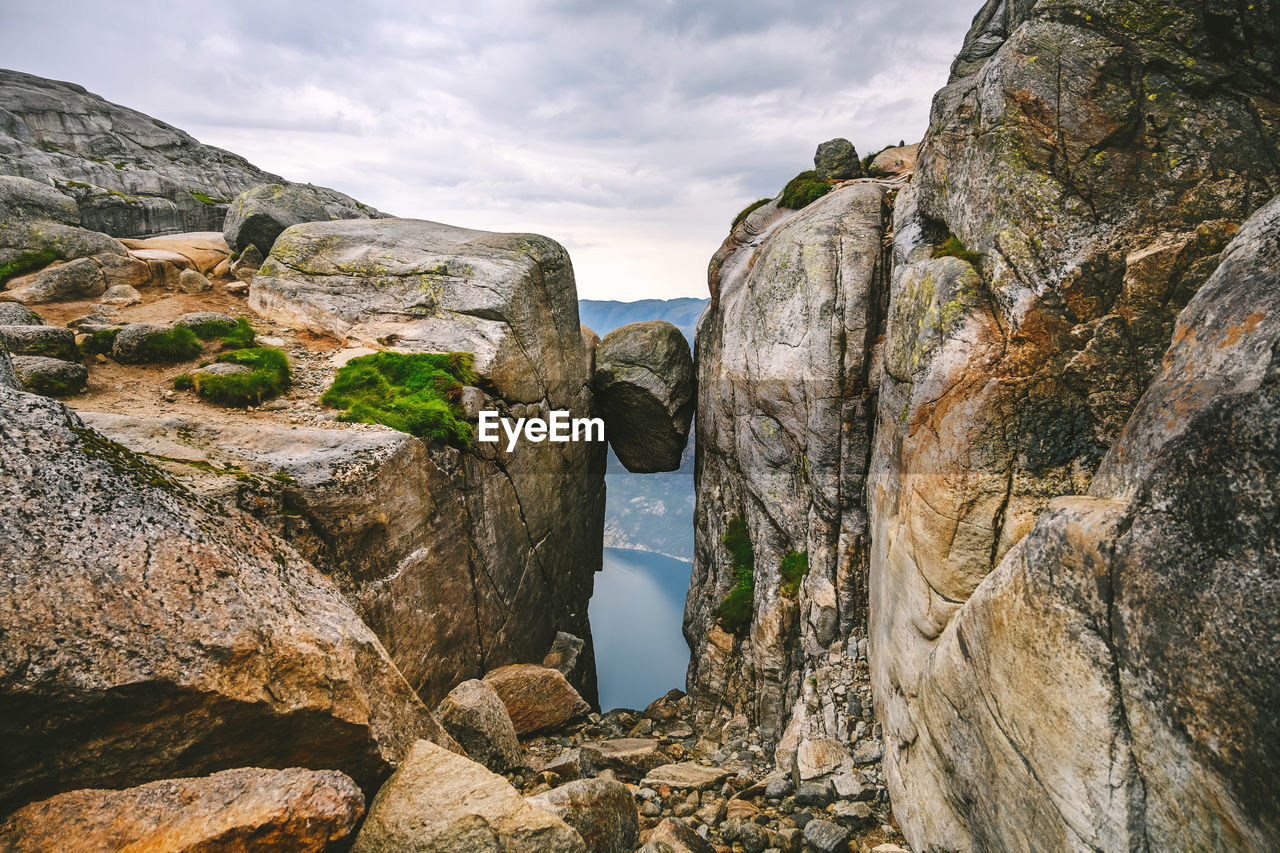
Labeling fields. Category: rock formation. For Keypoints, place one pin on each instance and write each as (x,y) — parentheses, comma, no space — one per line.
(130,174)
(643,382)
(1083,173)
(525,525)
(152,634)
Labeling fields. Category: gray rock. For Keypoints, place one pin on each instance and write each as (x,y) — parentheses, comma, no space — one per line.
(687,775)
(644,384)
(21,198)
(245,267)
(258,216)
(72,280)
(814,794)
(852,786)
(106,680)
(130,174)
(132,343)
(440,801)
(826,837)
(51,377)
(677,836)
(195,319)
(565,651)
(852,812)
(603,812)
(779,787)
(192,281)
(868,751)
(13,314)
(837,160)
(8,376)
(222,368)
(475,717)
(48,341)
(122,295)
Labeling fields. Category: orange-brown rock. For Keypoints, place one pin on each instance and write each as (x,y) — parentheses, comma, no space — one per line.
(537,698)
(290,811)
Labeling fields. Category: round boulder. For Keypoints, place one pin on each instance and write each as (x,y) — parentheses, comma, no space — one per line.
(258,216)
(837,160)
(13,314)
(72,280)
(644,383)
(51,377)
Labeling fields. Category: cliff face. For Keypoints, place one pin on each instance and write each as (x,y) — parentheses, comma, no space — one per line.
(132,175)
(1082,175)
(783,438)
(505,544)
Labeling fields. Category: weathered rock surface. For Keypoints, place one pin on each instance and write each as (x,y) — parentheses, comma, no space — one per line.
(263,810)
(785,412)
(1096,208)
(630,757)
(13,314)
(130,174)
(837,160)
(38,225)
(528,523)
(896,161)
(202,251)
(152,634)
(603,812)
(72,280)
(258,216)
(475,717)
(440,801)
(643,380)
(191,281)
(122,295)
(678,837)
(537,698)
(686,775)
(48,341)
(51,377)
(133,343)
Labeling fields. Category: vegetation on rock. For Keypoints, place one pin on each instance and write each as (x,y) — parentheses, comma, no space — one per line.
(952,247)
(792,570)
(417,393)
(268,377)
(100,341)
(804,189)
(734,613)
(747,211)
(27,262)
(234,335)
(169,346)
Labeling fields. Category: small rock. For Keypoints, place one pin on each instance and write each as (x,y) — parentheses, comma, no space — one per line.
(686,775)
(887,848)
(851,785)
(602,812)
(236,288)
(867,752)
(826,837)
(852,811)
(679,837)
(814,794)
(819,757)
(193,281)
(572,764)
(50,377)
(779,787)
(122,294)
(271,342)
(837,160)
(632,757)
(245,267)
(475,717)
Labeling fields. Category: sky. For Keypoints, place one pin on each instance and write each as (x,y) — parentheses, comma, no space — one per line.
(631,132)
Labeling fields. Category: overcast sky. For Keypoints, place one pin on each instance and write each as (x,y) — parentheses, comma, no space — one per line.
(630,132)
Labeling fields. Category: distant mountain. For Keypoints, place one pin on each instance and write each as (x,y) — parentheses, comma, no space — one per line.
(603,316)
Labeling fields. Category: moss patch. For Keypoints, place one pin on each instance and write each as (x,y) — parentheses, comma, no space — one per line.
(747,211)
(953,248)
(205,198)
(792,570)
(100,341)
(269,376)
(28,262)
(734,613)
(167,347)
(236,334)
(804,189)
(417,393)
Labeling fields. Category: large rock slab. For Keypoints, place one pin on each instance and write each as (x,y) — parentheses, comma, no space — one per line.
(643,381)
(532,533)
(537,698)
(1106,674)
(686,775)
(785,413)
(601,810)
(258,216)
(148,633)
(475,717)
(130,174)
(437,800)
(631,757)
(289,811)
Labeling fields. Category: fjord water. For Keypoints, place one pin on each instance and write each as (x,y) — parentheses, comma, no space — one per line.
(636,613)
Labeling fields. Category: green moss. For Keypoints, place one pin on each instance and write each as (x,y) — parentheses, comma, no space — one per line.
(804,189)
(100,341)
(792,570)
(205,198)
(167,347)
(236,334)
(268,377)
(47,385)
(953,248)
(734,613)
(746,211)
(28,262)
(417,393)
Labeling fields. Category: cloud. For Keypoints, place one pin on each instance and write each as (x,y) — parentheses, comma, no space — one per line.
(631,132)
